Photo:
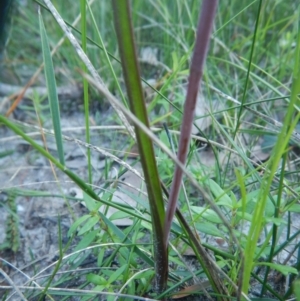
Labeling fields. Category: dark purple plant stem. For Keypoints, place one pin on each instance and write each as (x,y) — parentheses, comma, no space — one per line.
(196,70)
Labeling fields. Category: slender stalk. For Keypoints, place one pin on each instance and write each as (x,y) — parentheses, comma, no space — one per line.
(196,70)
(85,88)
(124,30)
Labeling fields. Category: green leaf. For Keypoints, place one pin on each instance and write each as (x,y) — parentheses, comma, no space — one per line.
(77,223)
(122,237)
(140,201)
(276,220)
(221,196)
(252,199)
(119,215)
(87,240)
(145,275)
(296,286)
(100,257)
(245,215)
(84,243)
(96,279)
(90,203)
(209,228)
(6,153)
(284,269)
(294,208)
(91,222)
(207,214)
(85,86)
(117,275)
(52,93)
(268,143)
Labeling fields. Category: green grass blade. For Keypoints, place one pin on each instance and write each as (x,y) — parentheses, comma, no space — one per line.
(248,70)
(85,59)
(52,93)
(122,18)
(85,87)
(107,55)
(289,125)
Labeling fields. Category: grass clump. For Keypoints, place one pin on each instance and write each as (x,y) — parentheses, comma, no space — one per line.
(238,196)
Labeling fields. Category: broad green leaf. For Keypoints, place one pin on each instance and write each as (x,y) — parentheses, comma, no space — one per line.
(145,275)
(222,198)
(122,237)
(276,220)
(119,215)
(90,203)
(96,279)
(117,275)
(208,228)
(140,201)
(100,257)
(91,222)
(87,240)
(146,225)
(77,223)
(294,208)
(296,286)
(268,143)
(99,288)
(247,216)
(207,214)
(253,198)
(284,269)
(175,60)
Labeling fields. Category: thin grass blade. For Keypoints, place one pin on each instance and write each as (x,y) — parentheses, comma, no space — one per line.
(85,87)
(290,122)
(52,93)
